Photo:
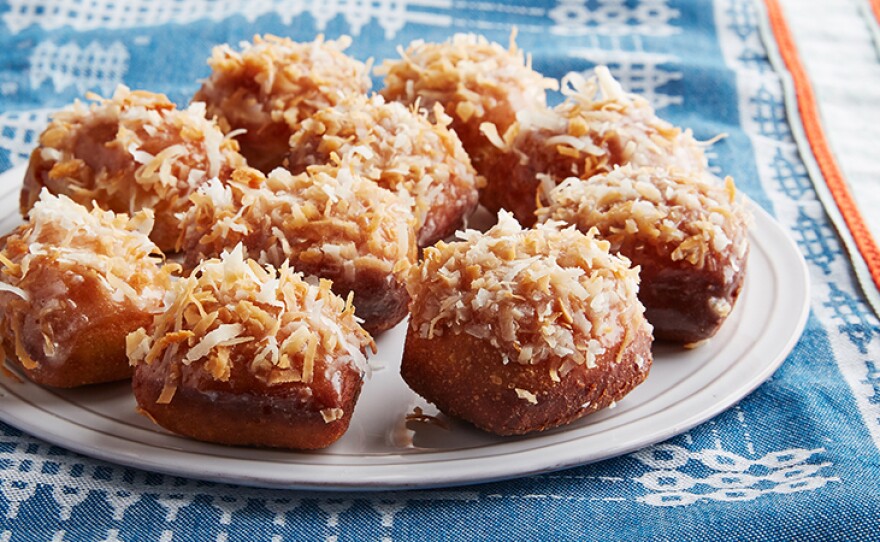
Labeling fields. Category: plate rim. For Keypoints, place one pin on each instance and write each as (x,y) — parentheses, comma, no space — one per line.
(397,475)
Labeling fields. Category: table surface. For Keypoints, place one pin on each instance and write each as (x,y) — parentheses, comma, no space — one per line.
(795,460)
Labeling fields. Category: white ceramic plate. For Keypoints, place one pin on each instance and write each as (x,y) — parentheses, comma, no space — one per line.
(382,451)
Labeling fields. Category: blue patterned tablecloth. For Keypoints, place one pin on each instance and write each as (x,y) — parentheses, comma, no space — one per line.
(795,460)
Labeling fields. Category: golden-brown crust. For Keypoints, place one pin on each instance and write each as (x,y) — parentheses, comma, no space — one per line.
(244,411)
(680,300)
(467,378)
(89,354)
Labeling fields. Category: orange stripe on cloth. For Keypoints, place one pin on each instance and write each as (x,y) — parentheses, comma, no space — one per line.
(809,112)
(875,7)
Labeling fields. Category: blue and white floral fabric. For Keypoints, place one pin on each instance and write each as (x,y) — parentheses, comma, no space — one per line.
(796,460)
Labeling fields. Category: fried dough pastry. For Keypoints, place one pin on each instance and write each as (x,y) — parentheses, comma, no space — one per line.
(264,91)
(521,330)
(250,355)
(133,151)
(329,222)
(399,149)
(73,284)
(688,235)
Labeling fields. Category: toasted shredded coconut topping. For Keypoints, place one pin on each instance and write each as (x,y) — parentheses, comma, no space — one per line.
(656,211)
(61,234)
(328,217)
(526,395)
(398,148)
(475,80)
(533,294)
(141,153)
(234,311)
(332,414)
(597,127)
(277,80)
(113,246)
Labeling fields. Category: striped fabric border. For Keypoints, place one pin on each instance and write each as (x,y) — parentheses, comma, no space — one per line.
(875,7)
(870,10)
(830,182)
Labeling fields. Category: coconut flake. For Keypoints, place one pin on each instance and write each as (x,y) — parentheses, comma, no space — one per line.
(5,287)
(218,337)
(533,294)
(526,395)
